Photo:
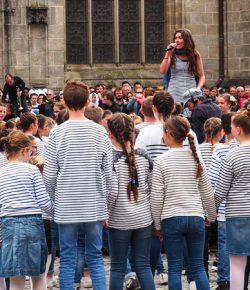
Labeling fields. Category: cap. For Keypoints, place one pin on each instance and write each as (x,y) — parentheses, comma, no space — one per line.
(33,92)
(192,94)
(41,92)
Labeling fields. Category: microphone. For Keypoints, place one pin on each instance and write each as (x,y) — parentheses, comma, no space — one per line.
(168,48)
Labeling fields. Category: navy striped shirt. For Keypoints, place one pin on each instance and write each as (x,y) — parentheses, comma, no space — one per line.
(78,170)
(22,191)
(125,214)
(175,189)
(233,184)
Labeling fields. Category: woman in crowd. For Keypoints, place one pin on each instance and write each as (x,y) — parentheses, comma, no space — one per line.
(180,189)
(183,63)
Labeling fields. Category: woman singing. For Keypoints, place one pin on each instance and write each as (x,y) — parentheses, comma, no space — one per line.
(183,64)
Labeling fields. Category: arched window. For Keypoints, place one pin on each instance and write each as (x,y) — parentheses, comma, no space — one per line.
(115,31)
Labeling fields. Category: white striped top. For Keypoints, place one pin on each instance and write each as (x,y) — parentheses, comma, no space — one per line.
(143,125)
(206,153)
(219,154)
(78,170)
(22,191)
(175,189)
(125,214)
(3,159)
(233,183)
(150,139)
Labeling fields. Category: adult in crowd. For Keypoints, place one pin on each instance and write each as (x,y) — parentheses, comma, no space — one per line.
(12,94)
(135,103)
(46,107)
(108,102)
(119,99)
(203,111)
(183,63)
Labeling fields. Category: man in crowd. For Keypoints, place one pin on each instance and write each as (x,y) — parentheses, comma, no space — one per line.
(12,94)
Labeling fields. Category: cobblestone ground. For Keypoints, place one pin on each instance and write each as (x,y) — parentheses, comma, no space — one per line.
(212,274)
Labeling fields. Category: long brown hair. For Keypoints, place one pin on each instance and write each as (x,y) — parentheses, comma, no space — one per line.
(122,127)
(179,128)
(191,51)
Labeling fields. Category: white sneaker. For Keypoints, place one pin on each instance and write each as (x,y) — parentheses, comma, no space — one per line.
(192,285)
(87,282)
(163,278)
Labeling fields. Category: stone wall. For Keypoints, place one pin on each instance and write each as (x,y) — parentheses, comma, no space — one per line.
(37,48)
(36,51)
(201,17)
(238,44)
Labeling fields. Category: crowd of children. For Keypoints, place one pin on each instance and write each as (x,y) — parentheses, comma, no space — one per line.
(95,168)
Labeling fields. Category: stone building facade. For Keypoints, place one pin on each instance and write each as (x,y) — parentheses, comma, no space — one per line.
(47,42)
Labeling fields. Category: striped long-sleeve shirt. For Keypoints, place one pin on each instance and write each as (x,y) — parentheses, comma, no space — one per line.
(219,154)
(233,183)
(22,191)
(78,170)
(150,140)
(175,189)
(125,214)
(3,159)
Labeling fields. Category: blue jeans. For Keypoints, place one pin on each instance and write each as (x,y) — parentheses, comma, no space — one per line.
(223,256)
(140,241)
(68,236)
(155,252)
(175,231)
(54,243)
(80,261)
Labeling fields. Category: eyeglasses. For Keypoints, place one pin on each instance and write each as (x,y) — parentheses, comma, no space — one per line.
(139,92)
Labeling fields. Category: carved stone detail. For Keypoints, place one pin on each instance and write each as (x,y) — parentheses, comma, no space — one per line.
(37,15)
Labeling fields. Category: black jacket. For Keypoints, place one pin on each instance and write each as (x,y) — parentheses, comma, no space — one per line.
(201,113)
(12,92)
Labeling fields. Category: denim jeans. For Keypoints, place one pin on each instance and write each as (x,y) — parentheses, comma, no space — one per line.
(54,243)
(140,241)
(223,256)
(24,248)
(175,231)
(155,252)
(68,236)
(80,261)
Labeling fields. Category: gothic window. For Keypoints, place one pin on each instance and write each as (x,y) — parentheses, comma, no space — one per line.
(102,31)
(129,31)
(77,31)
(115,31)
(154,30)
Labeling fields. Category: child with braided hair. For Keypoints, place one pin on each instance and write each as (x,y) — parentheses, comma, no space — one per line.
(180,189)
(130,220)
(213,133)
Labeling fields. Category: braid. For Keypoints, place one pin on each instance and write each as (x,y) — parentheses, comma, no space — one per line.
(195,155)
(133,184)
(122,127)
